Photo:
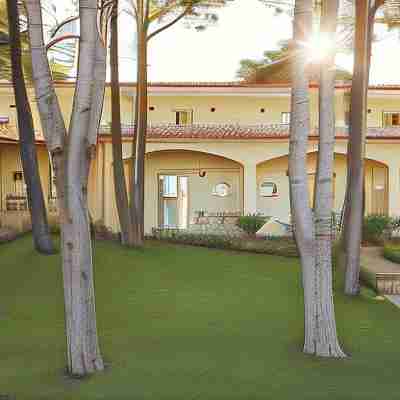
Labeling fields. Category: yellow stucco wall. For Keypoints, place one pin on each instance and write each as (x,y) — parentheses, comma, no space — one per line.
(184,159)
(230,107)
(378,105)
(275,171)
(10,162)
(243,164)
(182,163)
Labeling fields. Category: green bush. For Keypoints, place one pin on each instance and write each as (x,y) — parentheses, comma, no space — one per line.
(392,253)
(375,227)
(251,224)
(285,247)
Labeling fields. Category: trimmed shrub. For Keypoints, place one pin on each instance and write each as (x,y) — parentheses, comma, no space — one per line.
(283,247)
(392,253)
(102,232)
(375,227)
(251,224)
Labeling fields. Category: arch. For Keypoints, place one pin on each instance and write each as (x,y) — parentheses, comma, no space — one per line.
(275,170)
(200,147)
(338,152)
(196,174)
(202,152)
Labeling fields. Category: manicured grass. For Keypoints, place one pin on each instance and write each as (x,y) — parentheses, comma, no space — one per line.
(188,323)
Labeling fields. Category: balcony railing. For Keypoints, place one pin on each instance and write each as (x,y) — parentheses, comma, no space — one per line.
(236,130)
(205,130)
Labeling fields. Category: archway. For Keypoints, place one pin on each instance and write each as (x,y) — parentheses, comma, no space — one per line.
(182,185)
(273,185)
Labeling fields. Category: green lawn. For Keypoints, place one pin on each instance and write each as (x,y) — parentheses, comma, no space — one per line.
(188,323)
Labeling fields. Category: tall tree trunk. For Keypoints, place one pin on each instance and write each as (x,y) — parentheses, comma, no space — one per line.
(71,159)
(85,357)
(327,339)
(138,176)
(40,228)
(345,210)
(356,150)
(121,192)
(320,330)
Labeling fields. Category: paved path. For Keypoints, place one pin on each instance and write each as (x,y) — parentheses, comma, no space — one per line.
(393,298)
(373,261)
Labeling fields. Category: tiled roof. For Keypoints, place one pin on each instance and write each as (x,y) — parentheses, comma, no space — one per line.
(207,131)
(220,84)
(236,131)
(217,132)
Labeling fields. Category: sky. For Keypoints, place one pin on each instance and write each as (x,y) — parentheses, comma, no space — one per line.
(246,28)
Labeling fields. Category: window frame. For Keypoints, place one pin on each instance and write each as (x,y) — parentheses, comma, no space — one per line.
(384,113)
(283,119)
(275,190)
(170,194)
(177,111)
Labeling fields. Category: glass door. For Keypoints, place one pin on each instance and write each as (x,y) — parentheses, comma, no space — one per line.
(173,201)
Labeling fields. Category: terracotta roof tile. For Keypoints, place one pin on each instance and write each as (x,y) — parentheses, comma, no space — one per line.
(218,132)
(236,131)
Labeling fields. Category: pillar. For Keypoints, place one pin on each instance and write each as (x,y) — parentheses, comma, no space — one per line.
(394,189)
(250,188)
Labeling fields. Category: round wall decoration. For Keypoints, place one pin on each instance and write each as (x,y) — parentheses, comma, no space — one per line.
(222,189)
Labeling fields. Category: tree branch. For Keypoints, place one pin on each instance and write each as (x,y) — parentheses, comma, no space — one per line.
(60,39)
(65,22)
(173,22)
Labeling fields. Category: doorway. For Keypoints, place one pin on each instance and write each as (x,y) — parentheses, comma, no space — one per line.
(173,201)
(379,190)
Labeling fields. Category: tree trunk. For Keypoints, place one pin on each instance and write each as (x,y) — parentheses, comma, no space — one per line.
(344,223)
(320,330)
(138,175)
(327,341)
(40,228)
(71,159)
(356,150)
(121,192)
(85,357)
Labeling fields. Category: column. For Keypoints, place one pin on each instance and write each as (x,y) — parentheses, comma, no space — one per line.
(250,188)
(394,189)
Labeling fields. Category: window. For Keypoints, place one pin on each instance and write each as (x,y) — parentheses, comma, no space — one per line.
(268,189)
(183,117)
(222,190)
(170,186)
(19,182)
(285,118)
(391,119)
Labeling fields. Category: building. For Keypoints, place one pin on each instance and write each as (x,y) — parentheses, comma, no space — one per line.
(214,151)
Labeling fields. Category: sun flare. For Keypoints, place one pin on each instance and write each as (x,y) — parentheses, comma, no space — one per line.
(319,47)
